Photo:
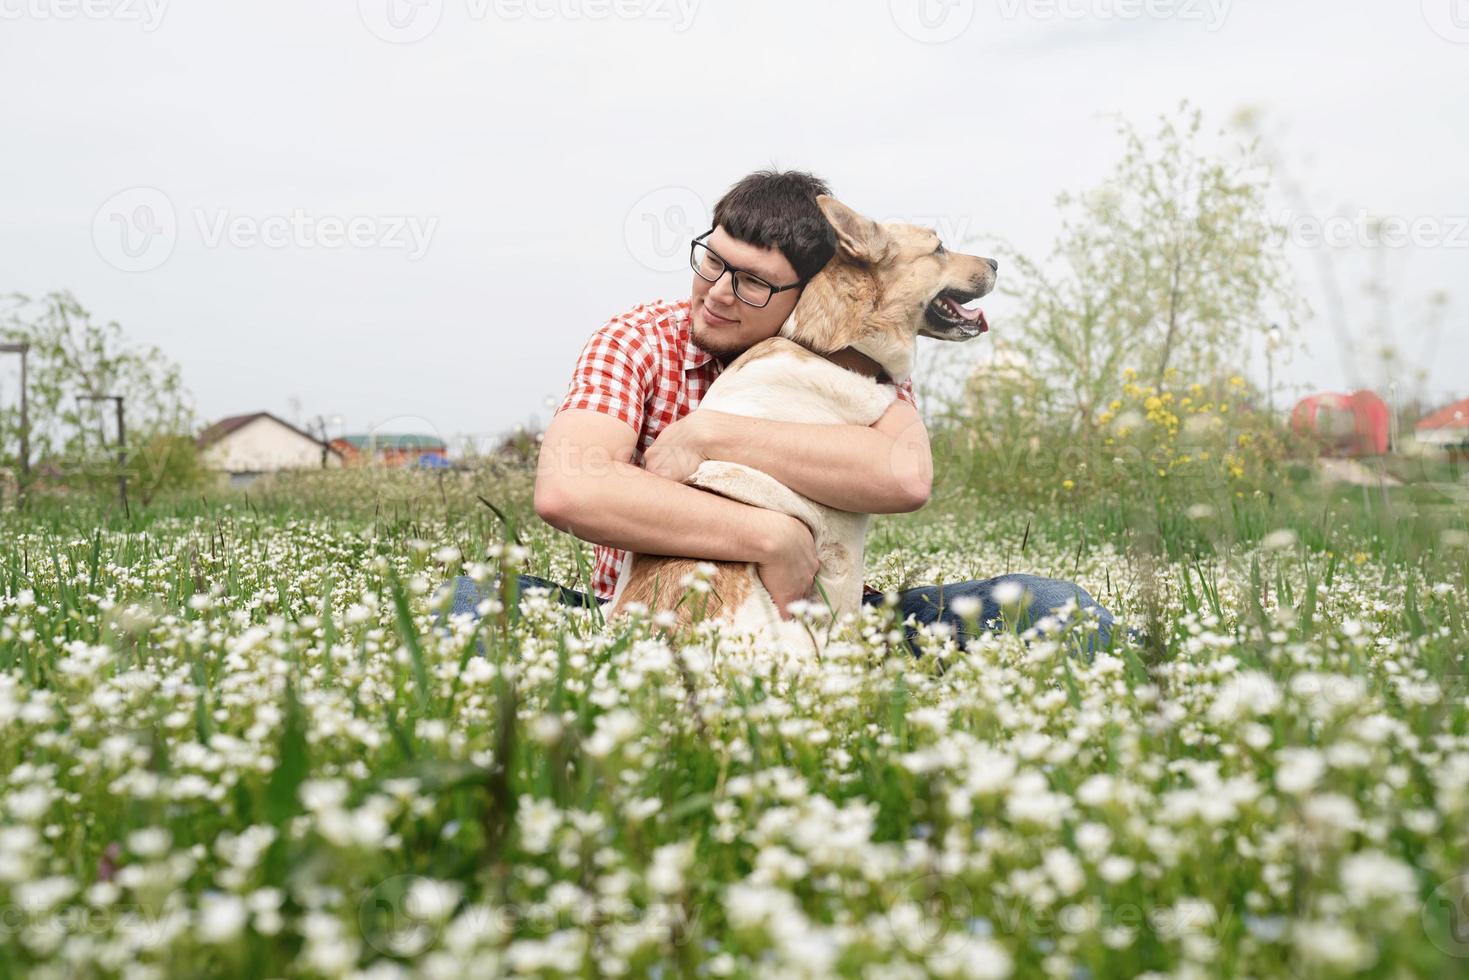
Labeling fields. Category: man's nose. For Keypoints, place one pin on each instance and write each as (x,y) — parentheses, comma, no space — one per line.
(722,290)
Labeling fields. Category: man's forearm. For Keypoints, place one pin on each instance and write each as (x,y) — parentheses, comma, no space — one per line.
(629,508)
(849,467)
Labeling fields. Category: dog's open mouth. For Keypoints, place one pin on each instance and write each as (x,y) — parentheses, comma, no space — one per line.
(955,310)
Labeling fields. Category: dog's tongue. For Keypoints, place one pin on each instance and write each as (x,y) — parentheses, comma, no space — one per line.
(975,315)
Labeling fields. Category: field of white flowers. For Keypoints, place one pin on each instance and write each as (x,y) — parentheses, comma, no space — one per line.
(232,742)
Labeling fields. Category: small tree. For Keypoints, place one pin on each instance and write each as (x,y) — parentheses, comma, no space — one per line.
(72,355)
(1171,263)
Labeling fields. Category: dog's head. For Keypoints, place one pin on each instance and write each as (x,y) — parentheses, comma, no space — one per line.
(887,284)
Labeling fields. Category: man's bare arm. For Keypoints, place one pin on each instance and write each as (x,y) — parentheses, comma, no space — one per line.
(587,485)
(886,468)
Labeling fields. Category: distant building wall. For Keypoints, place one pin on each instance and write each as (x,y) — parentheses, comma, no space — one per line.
(264,446)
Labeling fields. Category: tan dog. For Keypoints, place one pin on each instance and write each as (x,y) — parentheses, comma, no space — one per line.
(886,285)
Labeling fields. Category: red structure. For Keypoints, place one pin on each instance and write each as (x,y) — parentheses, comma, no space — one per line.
(1347,425)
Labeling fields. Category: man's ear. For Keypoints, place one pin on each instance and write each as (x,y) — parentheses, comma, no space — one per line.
(859,238)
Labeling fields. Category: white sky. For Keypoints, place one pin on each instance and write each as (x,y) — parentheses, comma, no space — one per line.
(547,152)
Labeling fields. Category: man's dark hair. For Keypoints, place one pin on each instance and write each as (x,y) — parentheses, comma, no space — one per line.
(777,209)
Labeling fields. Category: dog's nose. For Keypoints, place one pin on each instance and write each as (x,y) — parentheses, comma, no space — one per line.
(994,266)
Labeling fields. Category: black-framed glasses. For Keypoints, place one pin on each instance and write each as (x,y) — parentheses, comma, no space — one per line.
(748,287)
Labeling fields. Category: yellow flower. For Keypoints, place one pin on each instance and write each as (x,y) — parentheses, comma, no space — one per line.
(1128,374)
(1237,381)
(1153,404)
(1360,558)
(1067,484)
(1114,404)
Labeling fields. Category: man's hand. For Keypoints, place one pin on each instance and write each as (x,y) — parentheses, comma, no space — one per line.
(792,564)
(681,447)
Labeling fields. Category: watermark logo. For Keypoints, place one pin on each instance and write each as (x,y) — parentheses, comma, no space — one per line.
(404,915)
(401,21)
(928,909)
(1449,19)
(932,21)
(1446,917)
(404,453)
(660,225)
(148,14)
(135,230)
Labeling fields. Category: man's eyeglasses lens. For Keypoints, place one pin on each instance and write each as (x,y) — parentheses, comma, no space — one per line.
(710,267)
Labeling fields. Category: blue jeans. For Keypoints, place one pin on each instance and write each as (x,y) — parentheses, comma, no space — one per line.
(927,604)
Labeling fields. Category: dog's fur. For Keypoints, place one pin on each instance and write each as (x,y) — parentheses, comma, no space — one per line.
(886,285)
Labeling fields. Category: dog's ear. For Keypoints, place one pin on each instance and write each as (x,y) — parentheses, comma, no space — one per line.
(858,238)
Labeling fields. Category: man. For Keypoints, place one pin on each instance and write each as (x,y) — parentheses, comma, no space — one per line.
(623,437)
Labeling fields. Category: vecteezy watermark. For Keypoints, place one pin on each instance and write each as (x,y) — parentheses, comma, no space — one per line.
(953,229)
(136,230)
(1449,19)
(407,21)
(1367,230)
(937,21)
(660,225)
(936,910)
(400,451)
(1210,13)
(146,13)
(404,916)
(932,21)
(298,228)
(679,13)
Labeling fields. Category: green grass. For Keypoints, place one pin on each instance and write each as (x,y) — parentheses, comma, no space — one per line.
(232,743)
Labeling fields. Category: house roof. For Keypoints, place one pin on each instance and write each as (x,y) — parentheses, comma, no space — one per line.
(231,423)
(385,440)
(1455,416)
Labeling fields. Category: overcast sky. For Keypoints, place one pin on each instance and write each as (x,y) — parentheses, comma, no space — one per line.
(411,213)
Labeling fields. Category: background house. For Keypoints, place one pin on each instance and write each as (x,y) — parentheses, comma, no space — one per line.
(1448,427)
(245,446)
(392,450)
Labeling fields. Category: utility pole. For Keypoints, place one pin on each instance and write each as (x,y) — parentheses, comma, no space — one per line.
(22,349)
(122,448)
(1272,342)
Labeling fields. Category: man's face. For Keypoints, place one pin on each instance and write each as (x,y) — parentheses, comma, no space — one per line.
(725,325)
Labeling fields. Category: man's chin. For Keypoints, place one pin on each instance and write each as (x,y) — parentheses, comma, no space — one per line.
(721,352)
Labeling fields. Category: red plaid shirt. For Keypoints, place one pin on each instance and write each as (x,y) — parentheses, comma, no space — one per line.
(643,368)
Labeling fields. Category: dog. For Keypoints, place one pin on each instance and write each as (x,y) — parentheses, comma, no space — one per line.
(886,285)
